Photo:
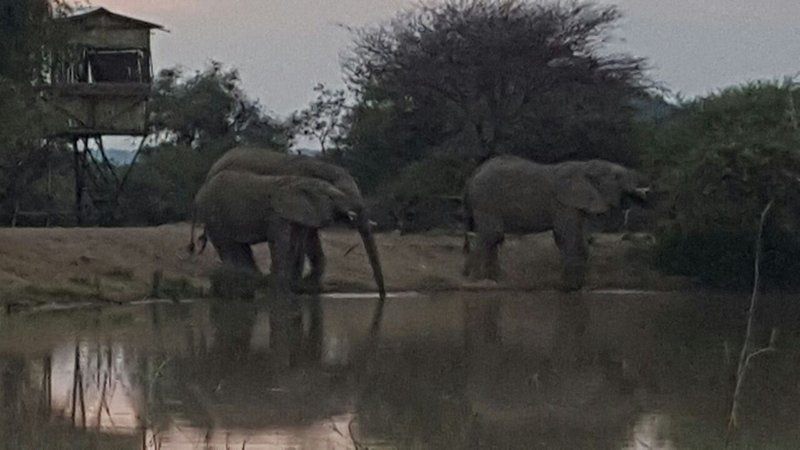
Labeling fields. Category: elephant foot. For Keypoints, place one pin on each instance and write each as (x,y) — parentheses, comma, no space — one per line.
(570,287)
(572,284)
(496,276)
(235,283)
(308,285)
(480,284)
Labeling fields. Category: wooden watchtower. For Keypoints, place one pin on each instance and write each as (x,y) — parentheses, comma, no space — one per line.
(100,86)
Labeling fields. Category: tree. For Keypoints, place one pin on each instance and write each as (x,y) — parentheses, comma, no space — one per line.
(481,78)
(208,106)
(29,37)
(324,118)
(195,120)
(722,159)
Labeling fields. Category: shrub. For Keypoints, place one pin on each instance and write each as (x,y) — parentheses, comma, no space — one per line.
(722,158)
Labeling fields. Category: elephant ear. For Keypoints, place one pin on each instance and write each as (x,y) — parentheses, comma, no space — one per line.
(575,190)
(308,202)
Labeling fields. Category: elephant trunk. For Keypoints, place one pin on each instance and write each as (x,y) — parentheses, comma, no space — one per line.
(365,231)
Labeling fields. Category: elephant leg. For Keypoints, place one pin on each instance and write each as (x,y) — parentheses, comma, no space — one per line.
(470,259)
(236,254)
(482,261)
(492,246)
(569,234)
(299,238)
(472,263)
(243,257)
(316,258)
(286,252)
(273,252)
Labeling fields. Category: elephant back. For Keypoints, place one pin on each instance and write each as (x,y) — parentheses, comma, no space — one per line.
(261,161)
(505,178)
(511,194)
(244,200)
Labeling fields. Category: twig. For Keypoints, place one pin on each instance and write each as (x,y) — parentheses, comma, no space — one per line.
(746,355)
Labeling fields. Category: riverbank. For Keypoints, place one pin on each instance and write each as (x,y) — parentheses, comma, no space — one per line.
(119,264)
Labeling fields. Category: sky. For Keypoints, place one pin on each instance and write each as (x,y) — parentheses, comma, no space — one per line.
(283,48)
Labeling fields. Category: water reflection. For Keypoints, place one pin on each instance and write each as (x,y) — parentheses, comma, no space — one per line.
(457,370)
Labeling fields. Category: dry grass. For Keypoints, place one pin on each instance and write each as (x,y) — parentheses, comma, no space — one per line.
(117,264)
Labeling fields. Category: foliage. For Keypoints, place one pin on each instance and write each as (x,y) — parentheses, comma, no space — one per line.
(207,106)
(28,35)
(478,78)
(163,185)
(722,158)
(437,176)
(196,119)
(324,118)
(381,140)
(29,166)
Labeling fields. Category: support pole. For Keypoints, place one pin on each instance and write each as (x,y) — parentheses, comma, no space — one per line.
(79,182)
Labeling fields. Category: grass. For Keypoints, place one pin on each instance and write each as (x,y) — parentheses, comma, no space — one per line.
(117,264)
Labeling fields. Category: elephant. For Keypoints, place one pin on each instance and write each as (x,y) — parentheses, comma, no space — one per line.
(240,209)
(508,194)
(262,161)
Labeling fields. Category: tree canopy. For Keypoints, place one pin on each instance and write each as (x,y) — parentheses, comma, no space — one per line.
(28,37)
(210,105)
(195,119)
(480,78)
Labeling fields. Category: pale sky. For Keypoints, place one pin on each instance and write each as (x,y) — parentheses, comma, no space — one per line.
(282,48)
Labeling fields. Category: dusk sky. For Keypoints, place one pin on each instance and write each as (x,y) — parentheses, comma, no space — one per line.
(282,48)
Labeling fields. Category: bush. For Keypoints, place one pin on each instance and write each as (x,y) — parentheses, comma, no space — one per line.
(722,159)
(162,186)
(431,177)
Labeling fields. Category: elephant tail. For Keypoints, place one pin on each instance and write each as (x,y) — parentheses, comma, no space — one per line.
(469,221)
(203,242)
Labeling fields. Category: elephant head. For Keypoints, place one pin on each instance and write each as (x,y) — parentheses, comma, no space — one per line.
(316,203)
(596,186)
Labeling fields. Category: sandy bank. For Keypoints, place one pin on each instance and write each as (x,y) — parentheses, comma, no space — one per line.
(117,264)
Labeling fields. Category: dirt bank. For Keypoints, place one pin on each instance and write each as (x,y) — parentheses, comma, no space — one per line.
(117,264)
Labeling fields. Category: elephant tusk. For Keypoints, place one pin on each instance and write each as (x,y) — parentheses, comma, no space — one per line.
(352,215)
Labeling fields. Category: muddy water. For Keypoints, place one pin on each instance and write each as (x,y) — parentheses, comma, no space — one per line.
(450,370)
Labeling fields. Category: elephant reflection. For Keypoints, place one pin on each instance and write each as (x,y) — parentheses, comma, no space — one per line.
(508,194)
(515,375)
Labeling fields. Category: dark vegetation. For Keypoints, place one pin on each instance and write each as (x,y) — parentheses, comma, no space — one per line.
(431,94)
(722,159)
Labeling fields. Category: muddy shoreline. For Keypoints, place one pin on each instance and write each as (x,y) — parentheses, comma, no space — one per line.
(117,265)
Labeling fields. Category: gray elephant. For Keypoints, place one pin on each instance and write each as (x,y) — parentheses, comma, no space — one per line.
(508,194)
(240,209)
(262,161)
